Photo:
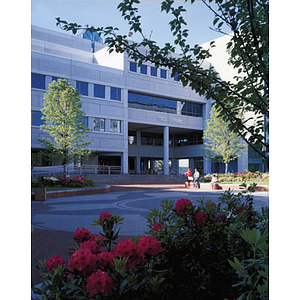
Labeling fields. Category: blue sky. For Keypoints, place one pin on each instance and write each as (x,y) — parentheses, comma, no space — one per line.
(105,13)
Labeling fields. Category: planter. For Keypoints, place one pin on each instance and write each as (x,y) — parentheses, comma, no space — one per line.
(40,193)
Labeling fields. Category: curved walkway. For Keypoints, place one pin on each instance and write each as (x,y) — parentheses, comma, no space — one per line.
(55,220)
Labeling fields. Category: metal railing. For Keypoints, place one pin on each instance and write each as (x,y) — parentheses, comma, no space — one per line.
(71,170)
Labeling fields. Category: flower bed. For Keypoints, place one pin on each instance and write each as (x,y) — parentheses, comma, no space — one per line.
(203,251)
(238,177)
(60,181)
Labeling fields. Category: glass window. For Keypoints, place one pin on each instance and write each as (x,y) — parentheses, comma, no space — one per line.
(115,94)
(176,77)
(132,137)
(82,88)
(132,67)
(37,81)
(99,91)
(115,126)
(163,73)
(99,124)
(153,71)
(36,118)
(85,121)
(56,78)
(143,69)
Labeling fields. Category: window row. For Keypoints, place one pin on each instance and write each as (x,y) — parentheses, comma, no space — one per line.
(98,125)
(148,102)
(176,140)
(155,72)
(38,81)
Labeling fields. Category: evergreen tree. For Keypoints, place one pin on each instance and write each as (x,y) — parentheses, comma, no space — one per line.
(64,123)
(221,144)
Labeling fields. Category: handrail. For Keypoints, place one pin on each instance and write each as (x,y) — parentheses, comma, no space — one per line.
(83,169)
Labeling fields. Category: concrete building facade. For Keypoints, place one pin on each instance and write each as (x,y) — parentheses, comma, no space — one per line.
(136,115)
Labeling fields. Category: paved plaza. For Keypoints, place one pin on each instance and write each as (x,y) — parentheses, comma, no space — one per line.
(68,213)
(54,220)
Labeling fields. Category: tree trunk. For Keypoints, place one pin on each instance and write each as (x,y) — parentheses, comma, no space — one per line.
(226,170)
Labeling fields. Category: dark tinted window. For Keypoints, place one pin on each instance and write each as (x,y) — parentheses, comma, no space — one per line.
(143,69)
(37,81)
(163,73)
(99,91)
(153,71)
(115,94)
(36,118)
(133,67)
(82,88)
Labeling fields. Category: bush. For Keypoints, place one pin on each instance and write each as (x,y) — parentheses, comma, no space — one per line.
(190,252)
(68,181)
(238,177)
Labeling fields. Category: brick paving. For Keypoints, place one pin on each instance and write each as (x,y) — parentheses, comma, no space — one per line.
(46,243)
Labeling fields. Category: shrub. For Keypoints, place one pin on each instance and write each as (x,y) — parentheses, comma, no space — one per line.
(191,251)
(68,181)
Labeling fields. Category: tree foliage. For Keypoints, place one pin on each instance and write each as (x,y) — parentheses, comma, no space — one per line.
(64,123)
(221,144)
(247,21)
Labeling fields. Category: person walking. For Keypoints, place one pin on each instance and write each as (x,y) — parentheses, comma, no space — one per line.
(189,177)
(196,179)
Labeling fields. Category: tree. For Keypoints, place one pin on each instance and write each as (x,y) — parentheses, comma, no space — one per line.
(247,21)
(64,122)
(221,144)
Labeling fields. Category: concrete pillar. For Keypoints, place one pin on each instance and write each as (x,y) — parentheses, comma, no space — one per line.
(166,150)
(206,165)
(138,164)
(124,162)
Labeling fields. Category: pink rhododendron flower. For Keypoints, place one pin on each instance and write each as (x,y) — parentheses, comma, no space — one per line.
(183,206)
(99,239)
(54,262)
(244,209)
(99,282)
(104,215)
(148,245)
(157,226)
(220,217)
(90,245)
(82,234)
(127,248)
(201,218)
(83,260)
(105,258)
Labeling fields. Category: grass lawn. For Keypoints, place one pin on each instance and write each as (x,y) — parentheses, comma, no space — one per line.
(61,188)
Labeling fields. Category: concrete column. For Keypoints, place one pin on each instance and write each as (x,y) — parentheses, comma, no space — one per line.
(166,150)
(206,165)
(124,162)
(138,164)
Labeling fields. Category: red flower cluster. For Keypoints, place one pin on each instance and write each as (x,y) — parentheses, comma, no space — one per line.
(136,252)
(99,282)
(183,206)
(201,218)
(105,258)
(54,262)
(98,238)
(90,245)
(157,227)
(127,248)
(244,209)
(220,217)
(148,245)
(83,260)
(81,235)
(104,215)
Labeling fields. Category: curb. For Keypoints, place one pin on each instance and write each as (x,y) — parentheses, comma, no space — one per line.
(76,192)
